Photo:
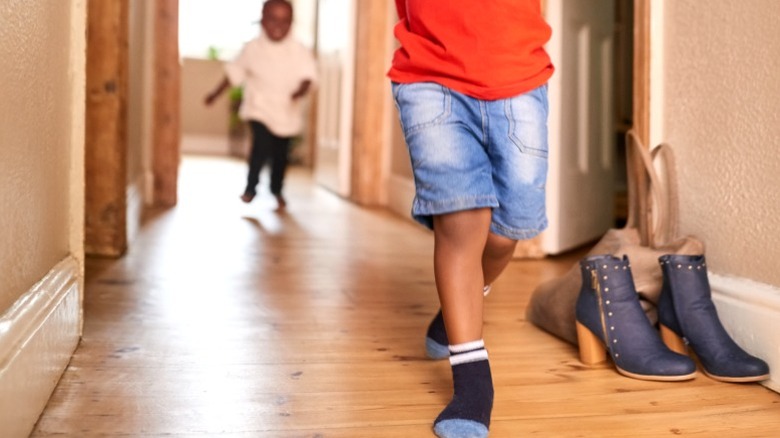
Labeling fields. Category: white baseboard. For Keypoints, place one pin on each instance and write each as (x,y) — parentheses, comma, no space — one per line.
(750,311)
(38,335)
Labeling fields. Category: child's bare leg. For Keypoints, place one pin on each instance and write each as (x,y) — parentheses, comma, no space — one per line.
(495,257)
(459,242)
(498,252)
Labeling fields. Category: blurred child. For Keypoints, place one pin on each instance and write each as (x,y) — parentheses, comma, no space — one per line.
(276,71)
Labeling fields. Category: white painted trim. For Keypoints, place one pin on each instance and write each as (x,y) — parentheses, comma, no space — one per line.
(657,77)
(400,195)
(38,335)
(750,312)
(135,204)
(347,100)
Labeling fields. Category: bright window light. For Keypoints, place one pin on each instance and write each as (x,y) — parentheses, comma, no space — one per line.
(217,29)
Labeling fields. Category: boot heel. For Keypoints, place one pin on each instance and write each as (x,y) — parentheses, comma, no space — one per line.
(674,342)
(592,350)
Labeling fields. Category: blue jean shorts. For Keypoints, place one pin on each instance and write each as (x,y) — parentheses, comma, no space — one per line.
(469,153)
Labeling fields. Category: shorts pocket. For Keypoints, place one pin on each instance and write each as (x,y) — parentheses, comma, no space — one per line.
(527,117)
(422,104)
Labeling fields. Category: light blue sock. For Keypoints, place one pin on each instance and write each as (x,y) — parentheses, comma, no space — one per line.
(436,343)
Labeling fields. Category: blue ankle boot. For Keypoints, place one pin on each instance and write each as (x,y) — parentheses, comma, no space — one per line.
(686,311)
(609,314)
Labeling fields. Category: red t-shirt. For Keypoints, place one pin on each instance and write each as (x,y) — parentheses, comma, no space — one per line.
(490,49)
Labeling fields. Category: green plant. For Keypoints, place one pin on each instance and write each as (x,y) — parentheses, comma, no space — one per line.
(236,95)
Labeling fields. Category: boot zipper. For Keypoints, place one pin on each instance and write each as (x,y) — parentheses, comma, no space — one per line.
(594,276)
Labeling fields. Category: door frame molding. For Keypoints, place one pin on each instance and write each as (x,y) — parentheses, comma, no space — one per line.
(109,194)
(107,69)
(641,99)
(166,122)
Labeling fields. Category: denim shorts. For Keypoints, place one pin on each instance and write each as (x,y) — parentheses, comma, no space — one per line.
(469,153)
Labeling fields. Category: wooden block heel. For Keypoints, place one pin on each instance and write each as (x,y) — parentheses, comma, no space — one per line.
(592,350)
(674,342)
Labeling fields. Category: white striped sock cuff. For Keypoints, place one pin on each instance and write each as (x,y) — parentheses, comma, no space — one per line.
(471,356)
(467,346)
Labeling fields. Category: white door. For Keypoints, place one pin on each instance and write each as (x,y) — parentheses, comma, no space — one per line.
(335,54)
(580,193)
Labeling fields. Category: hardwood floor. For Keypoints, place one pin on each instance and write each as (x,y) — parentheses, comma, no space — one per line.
(232,320)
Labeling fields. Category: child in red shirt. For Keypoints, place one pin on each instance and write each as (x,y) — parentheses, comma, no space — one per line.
(469,80)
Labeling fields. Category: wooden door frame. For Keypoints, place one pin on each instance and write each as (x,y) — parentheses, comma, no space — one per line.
(641,101)
(166,122)
(106,142)
(641,98)
(105,215)
(371,112)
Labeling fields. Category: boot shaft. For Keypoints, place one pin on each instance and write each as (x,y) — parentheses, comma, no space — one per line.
(607,285)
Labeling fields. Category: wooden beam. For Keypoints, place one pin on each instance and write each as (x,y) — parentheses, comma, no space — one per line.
(369,144)
(641,106)
(641,103)
(106,128)
(166,129)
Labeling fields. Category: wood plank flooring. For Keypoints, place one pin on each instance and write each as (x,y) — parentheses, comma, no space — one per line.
(233,320)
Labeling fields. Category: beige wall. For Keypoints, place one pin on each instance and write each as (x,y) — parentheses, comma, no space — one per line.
(198,78)
(722,117)
(42,137)
(38,128)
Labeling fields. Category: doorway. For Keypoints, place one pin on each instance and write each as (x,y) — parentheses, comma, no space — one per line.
(590,111)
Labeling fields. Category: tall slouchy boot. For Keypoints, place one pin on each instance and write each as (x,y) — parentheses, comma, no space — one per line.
(610,318)
(687,315)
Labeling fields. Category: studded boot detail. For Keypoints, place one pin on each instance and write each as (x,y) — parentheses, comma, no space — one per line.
(610,319)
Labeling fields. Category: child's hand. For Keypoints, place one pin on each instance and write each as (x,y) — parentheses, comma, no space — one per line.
(302,90)
(211,97)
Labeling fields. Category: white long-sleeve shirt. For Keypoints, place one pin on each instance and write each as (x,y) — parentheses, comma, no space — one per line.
(270,73)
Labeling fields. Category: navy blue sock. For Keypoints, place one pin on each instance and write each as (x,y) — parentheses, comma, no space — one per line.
(468,414)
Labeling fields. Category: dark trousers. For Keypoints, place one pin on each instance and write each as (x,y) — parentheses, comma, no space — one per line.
(266,145)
